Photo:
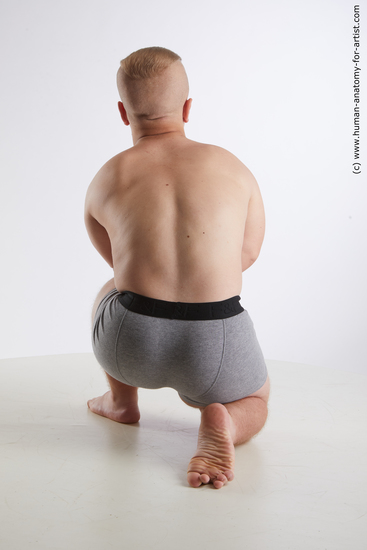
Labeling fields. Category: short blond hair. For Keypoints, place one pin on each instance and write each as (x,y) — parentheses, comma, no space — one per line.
(148,62)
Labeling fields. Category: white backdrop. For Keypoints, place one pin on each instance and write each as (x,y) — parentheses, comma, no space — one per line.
(270,81)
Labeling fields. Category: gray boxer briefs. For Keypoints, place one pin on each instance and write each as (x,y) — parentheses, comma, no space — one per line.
(206,361)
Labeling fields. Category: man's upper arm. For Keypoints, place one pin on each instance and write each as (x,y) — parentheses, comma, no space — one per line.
(97,233)
(255,226)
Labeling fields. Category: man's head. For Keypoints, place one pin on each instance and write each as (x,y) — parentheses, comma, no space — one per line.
(152,85)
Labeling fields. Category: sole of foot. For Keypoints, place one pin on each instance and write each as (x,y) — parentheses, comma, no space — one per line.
(214,458)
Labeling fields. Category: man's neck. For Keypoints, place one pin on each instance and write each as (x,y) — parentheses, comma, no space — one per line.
(156,130)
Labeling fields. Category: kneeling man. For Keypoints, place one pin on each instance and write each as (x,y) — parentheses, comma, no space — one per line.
(178,221)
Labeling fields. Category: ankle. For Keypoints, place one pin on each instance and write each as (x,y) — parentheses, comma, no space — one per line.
(124,399)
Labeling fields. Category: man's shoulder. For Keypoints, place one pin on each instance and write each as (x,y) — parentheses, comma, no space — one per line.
(107,173)
(216,151)
(208,147)
(221,156)
(117,161)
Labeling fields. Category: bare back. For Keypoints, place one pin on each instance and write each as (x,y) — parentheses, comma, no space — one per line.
(176,219)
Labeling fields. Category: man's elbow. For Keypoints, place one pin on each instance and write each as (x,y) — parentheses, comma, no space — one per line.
(248,260)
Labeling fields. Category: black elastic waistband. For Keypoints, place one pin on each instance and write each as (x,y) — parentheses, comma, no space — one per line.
(185,311)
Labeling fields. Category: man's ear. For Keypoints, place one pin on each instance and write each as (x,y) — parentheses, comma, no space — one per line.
(186,110)
(123,113)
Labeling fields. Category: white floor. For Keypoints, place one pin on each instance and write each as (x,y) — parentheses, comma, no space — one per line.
(73,480)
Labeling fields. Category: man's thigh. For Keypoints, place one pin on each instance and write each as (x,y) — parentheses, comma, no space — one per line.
(263,392)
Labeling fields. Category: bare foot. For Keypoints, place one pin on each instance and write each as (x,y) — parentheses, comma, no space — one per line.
(128,413)
(214,458)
